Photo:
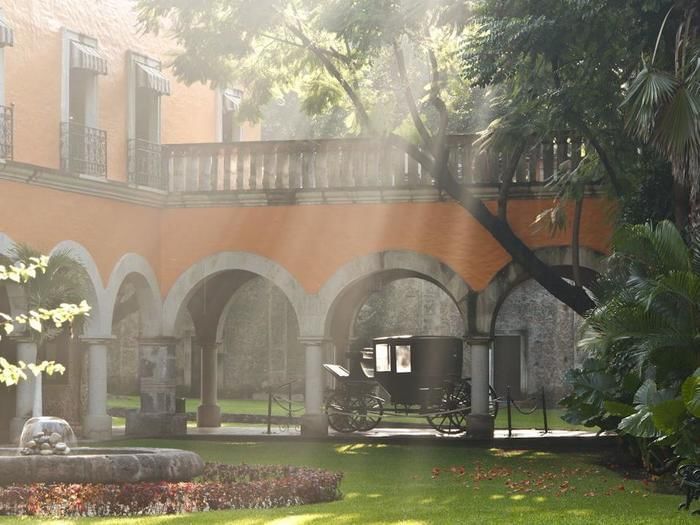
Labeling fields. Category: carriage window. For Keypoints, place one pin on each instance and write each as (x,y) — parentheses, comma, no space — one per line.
(403,359)
(383,360)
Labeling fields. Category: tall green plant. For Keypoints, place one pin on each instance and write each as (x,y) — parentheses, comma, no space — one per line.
(55,290)
(644,335)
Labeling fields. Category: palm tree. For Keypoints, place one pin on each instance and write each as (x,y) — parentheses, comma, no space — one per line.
(648,304)
(664,109)
(64,280)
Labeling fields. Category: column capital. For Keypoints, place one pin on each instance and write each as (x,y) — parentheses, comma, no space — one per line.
(97,339)
(313,340)
(21,337)
(157,340)
(478,339)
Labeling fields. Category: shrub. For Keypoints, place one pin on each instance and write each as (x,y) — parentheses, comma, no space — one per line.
(220,487)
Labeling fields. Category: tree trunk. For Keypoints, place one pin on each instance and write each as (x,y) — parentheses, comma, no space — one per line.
(574,297)
(575,231)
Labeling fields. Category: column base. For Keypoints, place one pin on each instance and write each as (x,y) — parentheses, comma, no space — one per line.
(97,428)
(314,425)
(480,427)
(208,416)
(16,426)
(140,424)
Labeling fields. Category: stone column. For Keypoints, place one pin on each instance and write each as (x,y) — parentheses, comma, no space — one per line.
(480,423)
(97,424)
(314,421)
(209,413)
(24,403)
(157,381)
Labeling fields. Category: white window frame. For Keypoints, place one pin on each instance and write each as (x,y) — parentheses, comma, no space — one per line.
(133,58)
(219,106)
(92,103)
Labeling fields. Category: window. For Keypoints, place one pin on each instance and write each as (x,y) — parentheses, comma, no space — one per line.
(83,145)
(147,84)
(403,359)
(230,125)
(382,358)
(7,39)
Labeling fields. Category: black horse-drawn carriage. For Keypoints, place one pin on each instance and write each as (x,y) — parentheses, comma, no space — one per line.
(422,376)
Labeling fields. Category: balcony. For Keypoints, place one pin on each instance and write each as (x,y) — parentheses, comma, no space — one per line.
(341,164)
(6,123)
(83,150)
(145,164)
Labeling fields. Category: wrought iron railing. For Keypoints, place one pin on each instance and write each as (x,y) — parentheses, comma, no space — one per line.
(83,149)
(348,163)
(145,164)
(6,137)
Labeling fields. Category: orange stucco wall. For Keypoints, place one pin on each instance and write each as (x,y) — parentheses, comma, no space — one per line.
(311,242)
(33,79)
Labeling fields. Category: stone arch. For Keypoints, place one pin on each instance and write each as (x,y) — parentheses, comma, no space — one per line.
(490,299)
(135,268)
(188,283)
(393,265)
(97,324)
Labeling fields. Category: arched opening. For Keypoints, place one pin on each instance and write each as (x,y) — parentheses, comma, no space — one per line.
(259,342)
(391,302)
(243,335)
(535,338)
(135,321)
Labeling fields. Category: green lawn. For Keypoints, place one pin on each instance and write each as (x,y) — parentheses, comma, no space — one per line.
(396,484)
(259,407)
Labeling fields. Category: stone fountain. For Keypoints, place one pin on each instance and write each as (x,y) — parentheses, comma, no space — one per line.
(47,454)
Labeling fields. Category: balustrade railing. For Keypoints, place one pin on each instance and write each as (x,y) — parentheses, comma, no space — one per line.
(83,149)
(6,128)
(347,163)
(145,164)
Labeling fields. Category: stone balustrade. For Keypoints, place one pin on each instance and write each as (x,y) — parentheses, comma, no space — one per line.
(345,164)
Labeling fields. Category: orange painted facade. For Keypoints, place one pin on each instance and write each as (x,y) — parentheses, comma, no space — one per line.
(311,242)
(33,69)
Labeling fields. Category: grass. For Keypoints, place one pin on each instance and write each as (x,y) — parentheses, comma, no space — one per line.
(392,484)
(259,407)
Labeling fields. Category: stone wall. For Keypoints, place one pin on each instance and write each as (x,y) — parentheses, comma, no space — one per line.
(260,343)
(408,307)
(123,356)
(549,331)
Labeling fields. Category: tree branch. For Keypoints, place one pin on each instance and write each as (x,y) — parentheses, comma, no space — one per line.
(507,181)
(410,100)
(362,114)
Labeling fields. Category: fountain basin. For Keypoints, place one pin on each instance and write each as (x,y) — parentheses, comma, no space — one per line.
(100,465)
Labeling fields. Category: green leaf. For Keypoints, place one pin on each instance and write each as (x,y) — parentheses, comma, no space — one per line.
(640,424)
(690,393)
(35,324)
(669,415)
(615,408)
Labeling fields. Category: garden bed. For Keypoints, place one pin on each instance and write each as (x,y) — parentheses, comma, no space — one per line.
(220,487)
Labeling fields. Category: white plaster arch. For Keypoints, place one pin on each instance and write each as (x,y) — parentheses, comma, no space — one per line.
(96,324)
(150,301)
(187,283)
(489,300)
(420,264)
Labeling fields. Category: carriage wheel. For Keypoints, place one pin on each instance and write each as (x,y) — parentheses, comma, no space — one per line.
(367,411)
(456,404)
(335,405)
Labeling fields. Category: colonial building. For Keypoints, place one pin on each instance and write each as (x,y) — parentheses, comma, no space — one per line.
(183,220)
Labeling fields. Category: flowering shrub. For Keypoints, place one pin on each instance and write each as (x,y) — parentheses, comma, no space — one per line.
(220,487)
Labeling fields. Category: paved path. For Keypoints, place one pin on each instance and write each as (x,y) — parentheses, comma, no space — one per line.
(521,438)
